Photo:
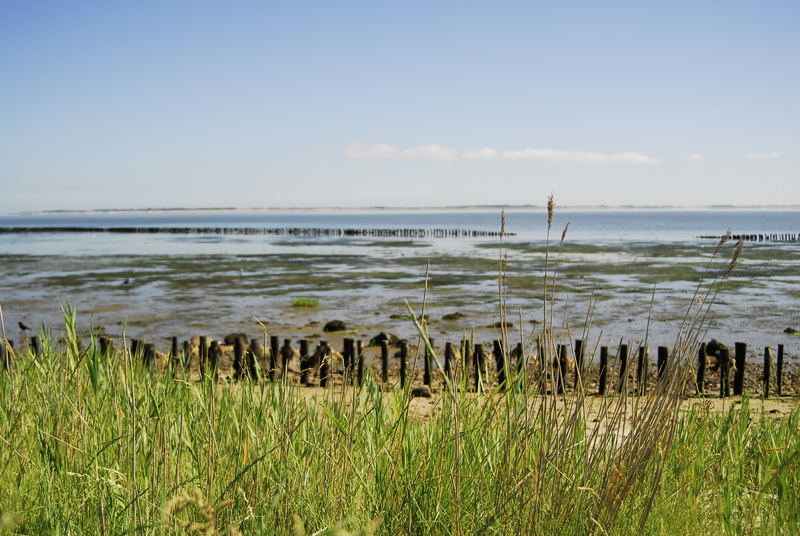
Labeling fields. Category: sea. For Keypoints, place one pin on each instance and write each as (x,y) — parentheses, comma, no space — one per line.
(605,275)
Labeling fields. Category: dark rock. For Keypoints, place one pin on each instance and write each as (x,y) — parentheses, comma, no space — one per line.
(790,331)
(501,324)
(421,392)
(398,317)
(390,338)
(335,325)
(231,338)
(458,315)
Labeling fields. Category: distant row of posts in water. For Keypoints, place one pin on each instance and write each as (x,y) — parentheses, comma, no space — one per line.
(552,373)
(758,237)
(278,231)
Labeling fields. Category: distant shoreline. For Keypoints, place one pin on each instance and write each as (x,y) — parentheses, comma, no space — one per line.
(254,210)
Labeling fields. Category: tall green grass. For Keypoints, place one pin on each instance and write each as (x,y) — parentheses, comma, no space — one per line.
(94,443)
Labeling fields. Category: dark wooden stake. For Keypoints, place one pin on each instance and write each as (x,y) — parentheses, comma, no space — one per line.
(578,363)
(738,378)
(428,363)
(385,361)
(603,380)
(252,359)
(287,352)
(661,367)
(214,354)
(173,353)
(348,352)
(779,371)
(448,360)
(500,364)
(5,356)
(701,369)
(36,346)
(325,365)
(623,368)
(105,346)
(403,362)
(274,351)
(562,369)
(238,357)
(202,353)
(305,363)
(149,355)
(767,367)
(724,373)
(478,365)
(641,370)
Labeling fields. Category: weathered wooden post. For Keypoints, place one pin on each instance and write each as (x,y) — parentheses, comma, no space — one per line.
(149,356)
(403,362)
(305,363)
(641,370)
(701,369)
(740,350)
(203,355)
(214,355)
(360,354)
(448,361)
(325,364)
(5,356)
(186,355)
(287,352)
(428,364)
(252,359)
(478,365)
(767,367)
(104,346)
(779,371)
(36,346)
(136,347)
(724,373)
(466,359)
(661,367)
(274,351)
(519,353)
(500,364)
(173,352)
(579,363)
(348,353)
(623,368)
(238,356)
(603,379)
(562,369)
(385,361)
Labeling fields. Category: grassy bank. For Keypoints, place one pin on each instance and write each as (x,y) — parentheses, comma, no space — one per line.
(94,443)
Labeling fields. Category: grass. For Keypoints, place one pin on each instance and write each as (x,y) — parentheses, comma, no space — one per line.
(97,444)
(305,301)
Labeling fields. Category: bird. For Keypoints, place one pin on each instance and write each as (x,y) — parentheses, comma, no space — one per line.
(23,327)
(126,282)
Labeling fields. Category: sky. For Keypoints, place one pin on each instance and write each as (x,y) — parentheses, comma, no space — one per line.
(284,104)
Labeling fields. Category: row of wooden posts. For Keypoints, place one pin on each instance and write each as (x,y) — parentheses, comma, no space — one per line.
(319,362)
(279,231)
(759,237)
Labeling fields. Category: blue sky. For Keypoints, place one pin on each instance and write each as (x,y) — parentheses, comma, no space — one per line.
(253,104)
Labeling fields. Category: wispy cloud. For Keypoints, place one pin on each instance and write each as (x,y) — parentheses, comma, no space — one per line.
(763,156)
(440,152)
(699,156)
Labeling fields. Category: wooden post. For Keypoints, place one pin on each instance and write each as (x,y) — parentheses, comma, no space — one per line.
(561,380)
(641,370)
(578,363)
(104,346)
(385,361)
(740,350)
(661,367)
(448,361)
(767,367)
(252,359)
(286,355)
(238,357)
(36,346)
(203,355)
(5,356)
(149,356)
(623,368)
(305,363)
(135,348)
(325,365)
(173,353)
(500,364)
(274,351)
(360,361)
(466,359)
(478,360)
(214,352)
(724,373)
(603,380)
(187,354)
(427,362)
(348,351)
(779,371)
(701,369)
(403,362)
(520,358)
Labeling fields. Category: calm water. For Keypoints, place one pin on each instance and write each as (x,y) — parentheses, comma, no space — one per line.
(188,284)
(603,227)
